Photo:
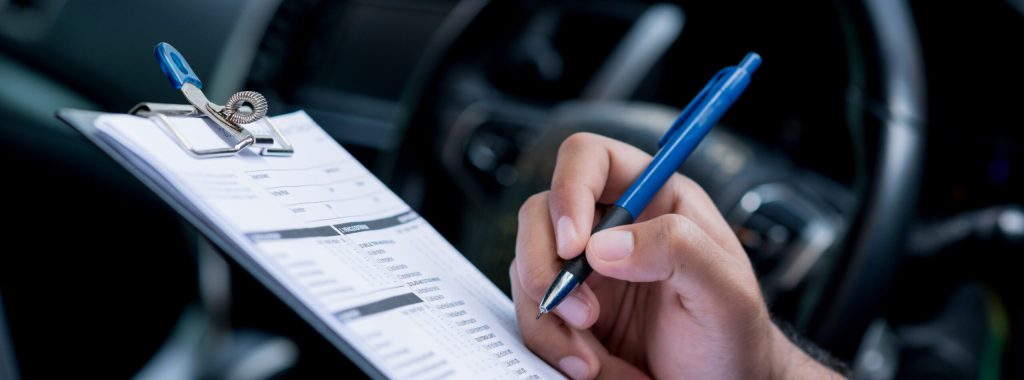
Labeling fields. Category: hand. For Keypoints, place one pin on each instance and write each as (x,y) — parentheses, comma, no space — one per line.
(672,296)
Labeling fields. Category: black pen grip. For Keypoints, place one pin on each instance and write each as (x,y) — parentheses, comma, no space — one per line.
(578,266)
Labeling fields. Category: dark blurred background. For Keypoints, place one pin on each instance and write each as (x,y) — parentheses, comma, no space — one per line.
(872,170)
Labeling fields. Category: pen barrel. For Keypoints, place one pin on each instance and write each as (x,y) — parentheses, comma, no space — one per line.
(682,138)
(690,128)
(614,217)
(750,63)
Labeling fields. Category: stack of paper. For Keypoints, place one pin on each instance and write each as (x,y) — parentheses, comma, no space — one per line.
(336,244)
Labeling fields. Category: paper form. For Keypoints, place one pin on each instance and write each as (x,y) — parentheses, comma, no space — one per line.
(347,247)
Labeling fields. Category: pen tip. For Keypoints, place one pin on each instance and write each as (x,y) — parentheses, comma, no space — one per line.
(540,314)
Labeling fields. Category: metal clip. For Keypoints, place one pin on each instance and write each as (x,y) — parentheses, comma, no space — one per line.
(244,107)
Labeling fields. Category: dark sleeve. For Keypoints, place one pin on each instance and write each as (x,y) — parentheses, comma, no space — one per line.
(812,350)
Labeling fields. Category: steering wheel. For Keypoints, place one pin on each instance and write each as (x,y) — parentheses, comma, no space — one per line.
(506,82)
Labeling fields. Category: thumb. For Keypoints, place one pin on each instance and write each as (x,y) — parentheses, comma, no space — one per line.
(674,249)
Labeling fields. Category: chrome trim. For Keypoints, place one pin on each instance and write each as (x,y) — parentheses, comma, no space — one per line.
(821,232)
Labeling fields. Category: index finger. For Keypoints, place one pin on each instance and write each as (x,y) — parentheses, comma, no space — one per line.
(538,265)
(592,169)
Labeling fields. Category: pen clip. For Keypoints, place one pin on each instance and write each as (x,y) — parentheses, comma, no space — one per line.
(737,77)
(696,103)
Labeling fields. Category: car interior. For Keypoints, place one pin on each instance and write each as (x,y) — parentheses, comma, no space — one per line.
(871,171)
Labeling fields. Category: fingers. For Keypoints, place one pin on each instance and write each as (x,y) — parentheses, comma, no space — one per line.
(588,170)
(691,201)
(577,353)
(537,265)
(550,339)
(614,368)
(594,169)
(674,249)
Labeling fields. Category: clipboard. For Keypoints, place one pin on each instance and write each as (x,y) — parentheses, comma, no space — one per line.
(231,123)
(420,296)
(85,123)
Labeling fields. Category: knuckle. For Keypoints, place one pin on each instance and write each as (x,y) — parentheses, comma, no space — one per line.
(691,189)
(531,203)
(563,188)
(576,142)
(676,239)
(675,230)
(688,183)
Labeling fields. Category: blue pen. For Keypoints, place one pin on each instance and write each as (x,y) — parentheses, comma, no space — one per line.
(676,145)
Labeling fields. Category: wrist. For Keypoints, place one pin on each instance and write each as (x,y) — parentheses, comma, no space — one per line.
(790,362)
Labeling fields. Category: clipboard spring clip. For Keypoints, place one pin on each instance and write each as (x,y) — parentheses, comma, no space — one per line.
(242,118)
(233,108)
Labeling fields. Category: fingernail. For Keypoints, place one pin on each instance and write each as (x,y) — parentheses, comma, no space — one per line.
(612,245)
(575,367)
(573,310)
(565,233)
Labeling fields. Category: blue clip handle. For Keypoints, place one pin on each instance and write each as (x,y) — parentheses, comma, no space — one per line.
(175,67)
(728,83)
